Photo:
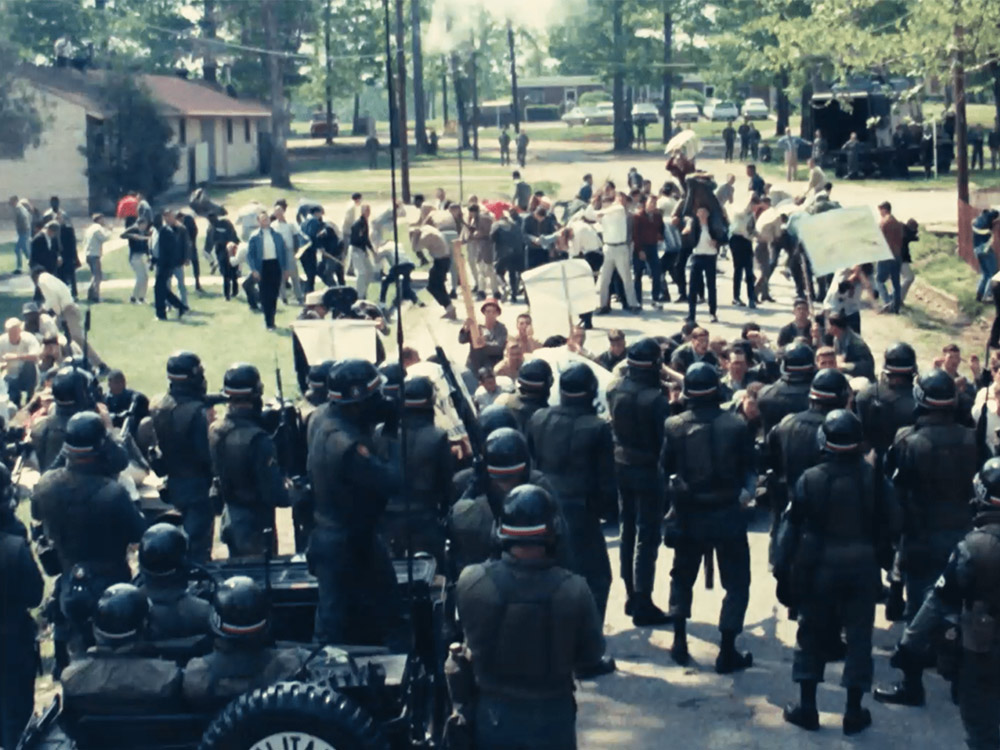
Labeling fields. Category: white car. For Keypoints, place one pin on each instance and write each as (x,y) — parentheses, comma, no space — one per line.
(579,115)
(604,114)
(684,111)
(755,109)
(721,110)
(645,112)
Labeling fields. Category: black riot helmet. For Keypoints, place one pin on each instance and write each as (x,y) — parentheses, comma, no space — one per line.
(841,433)
(507,455)
(353,381)
(242,383)
(72,387)
(535,378)
(121,615)
(644,356)
(240,610)
(701,383)
(798,363)
(185,373)
(528,516)
(317,376)
(900,360)
(163,550)
(392,379)
(495,416)
(578,384)
(935,391)
(829,389)
(418,394)
(85,434)
(986,485)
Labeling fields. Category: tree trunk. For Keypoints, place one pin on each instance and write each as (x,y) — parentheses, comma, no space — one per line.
(417,60)
(783,106)
(805,107)
(444,96)
(329,73)
(961,125)
(404,157)
(515,105)
(209,67)
(668,53)
(995,70)
(475,100)
(280,170)
(618,87)
(357,111)
(460,113)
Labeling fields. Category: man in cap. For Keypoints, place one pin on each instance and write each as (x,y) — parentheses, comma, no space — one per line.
(487,349)
(19,353)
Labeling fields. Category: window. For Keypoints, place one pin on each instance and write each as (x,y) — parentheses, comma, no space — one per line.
(229,130)
(246,129)
(182,135)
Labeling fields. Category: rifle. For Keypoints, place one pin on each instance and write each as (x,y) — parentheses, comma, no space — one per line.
(466,414)
(86,337)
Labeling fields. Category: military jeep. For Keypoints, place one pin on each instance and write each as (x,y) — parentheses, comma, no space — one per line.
(345,698)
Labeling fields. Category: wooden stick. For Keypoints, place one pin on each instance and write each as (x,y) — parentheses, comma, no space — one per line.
(475,335)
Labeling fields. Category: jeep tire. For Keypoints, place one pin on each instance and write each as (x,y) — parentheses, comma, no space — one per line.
(293,714)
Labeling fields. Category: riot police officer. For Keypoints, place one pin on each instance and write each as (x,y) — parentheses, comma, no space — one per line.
(174,613)
(245,462)
(838,530)
(20,591)
(534,382)
(792,446)
(71,394)
(528,624)
(638,410)
(574,448)
(708,455)
(358,596)
(968,590)
(181,427)
(932,464)
(242,657)
(90,520)
(119,675)
(430,466)
(790,394)
(315,395)
(887,406)
(490,419)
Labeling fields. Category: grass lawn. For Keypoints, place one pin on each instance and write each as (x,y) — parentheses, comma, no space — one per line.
(936,263)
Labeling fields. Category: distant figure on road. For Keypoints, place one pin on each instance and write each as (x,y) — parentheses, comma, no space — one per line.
(640,130)
(504,147)
(371,146)
(522,148)
(729,138)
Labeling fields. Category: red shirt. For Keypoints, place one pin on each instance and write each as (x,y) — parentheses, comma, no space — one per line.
(127,206)
(647,229)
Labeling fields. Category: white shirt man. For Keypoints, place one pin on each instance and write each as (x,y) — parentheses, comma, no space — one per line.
(59,299)
(268,250)
(95,237)
(705,246)
(617,253)
(18,348)
(585,239)
(288,231)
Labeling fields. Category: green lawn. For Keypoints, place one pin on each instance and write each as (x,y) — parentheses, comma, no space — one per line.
(936,263)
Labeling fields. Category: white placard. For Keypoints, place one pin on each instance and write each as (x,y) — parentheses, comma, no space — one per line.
(841,238)
(559,293)
(335,339)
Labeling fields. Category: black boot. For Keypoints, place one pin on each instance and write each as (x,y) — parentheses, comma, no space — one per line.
(629,598)
(804,714)
(856,718)
(679,649)
(646,614)
(729,659)
(604,665)
(908,692)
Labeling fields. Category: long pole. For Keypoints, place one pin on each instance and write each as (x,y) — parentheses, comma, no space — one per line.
(961,126)
(475,100)
(404,155)
(668,45)
(329,72)
(515,105)
(399,308)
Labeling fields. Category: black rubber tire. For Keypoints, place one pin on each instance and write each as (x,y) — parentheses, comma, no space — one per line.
(293,707)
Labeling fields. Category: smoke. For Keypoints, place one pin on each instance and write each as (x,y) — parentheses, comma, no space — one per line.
(454,22)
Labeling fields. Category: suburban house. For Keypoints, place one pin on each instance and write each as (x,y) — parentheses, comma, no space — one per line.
(563,91)
(218,135)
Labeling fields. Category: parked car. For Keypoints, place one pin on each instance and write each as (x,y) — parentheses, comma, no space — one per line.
(579,115)
(317,128)
(684,111)
(721,110)
(604,114)
(755,108)
(645,112)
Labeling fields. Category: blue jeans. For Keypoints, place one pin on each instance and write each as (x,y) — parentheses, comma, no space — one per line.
(182,291)
(987,267)
(21,248)
(651,264)
(888,269)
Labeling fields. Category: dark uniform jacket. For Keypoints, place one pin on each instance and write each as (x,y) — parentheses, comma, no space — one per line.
(884,409)
(523,407)
(176,613)
(21,590)
(638,410)
(858,359)
(122,680)
(49,434)
(230,671)
(780,399)
(792,445)
(181,428)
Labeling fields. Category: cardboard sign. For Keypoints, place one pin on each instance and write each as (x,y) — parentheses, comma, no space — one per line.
(560,358)
(335,339)
(842,238)
(559,293)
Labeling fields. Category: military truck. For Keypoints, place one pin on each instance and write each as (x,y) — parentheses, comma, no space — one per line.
(889,124)
(346,698)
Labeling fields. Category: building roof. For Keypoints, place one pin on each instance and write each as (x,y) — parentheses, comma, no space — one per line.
(556,81)
(175,96)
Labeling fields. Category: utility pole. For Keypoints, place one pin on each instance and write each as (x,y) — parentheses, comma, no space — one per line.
(444,93)
(280,170)
(961,137)
(417,61)
(515,106)
(404,158)
(618,84)
(475,100)
(329,73)
(668,54)
(208,64)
